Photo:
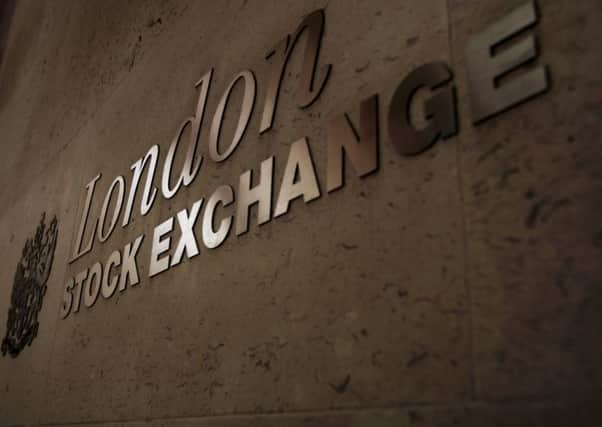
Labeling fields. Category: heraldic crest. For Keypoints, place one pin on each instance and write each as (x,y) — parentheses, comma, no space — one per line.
(29,288)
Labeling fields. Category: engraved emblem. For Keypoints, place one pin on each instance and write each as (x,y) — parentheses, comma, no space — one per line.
(29,288)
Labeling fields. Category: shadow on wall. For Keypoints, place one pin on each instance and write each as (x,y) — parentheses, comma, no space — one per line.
(7,9)
(20,24)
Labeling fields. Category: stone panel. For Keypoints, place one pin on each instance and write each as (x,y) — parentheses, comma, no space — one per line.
(24,378)
(532,190)
(63,60)
(548,414)
(356,299)
(455,288)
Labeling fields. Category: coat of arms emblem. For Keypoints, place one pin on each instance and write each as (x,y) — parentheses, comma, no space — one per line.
(29,288)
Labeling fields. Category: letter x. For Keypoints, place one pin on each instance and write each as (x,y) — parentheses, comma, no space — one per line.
(187,239)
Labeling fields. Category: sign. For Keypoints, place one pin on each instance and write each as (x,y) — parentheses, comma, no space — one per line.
(491,89)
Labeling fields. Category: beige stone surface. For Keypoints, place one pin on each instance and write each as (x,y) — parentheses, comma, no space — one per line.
(548,414)
(531,184)
(63,60)
(454,288)
(24,379)
(306,312)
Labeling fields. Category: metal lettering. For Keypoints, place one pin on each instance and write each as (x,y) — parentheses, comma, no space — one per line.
(148,198)
(485,68)
(308,89)
(224,195)
(67,299)
(110,285)
(187,240)
(102,236)
(129,266)
(93,283)
(159,247)
(361,149)
(439,109)
(77,251)
(79,282)
(299,178)
(191,166)
(245,114)
(261,194)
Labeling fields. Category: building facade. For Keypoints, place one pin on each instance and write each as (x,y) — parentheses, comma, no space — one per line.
(301,213)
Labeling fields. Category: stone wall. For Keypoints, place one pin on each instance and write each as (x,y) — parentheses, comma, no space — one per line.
(458,287)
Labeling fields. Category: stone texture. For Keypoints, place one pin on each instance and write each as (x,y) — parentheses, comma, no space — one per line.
(24,379)
(454,288)
(550,414)
(305,312)
(62,62)
(531,183)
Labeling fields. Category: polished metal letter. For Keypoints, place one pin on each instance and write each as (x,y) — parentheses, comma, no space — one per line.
(109,285)
(93,285)
(159,247)
(245,114)
(102,236)
(191,166)
(129,266)
(168,193)
(77,251)
(80,279)
(67,299)
(439,109)
(486,68)
(187,239)
(299,178)
(148,198)
(224,195)
(309,89)
(261,193)
(361,149)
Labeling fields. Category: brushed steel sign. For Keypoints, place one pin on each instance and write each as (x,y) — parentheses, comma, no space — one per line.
(491,90)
